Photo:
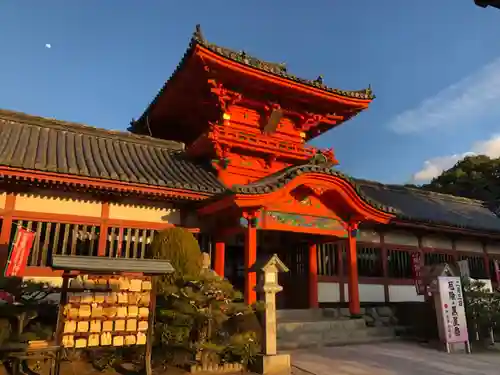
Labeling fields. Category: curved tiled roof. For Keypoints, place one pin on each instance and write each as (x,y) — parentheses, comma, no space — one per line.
(241,57)
(39,144)
(279,179)
(426,207)
(273,68)
(408,204)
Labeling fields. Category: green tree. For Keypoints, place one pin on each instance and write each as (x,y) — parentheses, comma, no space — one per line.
(474,177)
(200,316)
(482,308)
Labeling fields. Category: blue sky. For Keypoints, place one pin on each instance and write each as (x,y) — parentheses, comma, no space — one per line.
(434,66)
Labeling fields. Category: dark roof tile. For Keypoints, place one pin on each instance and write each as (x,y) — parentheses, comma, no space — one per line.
(273,68)
(35,143)
(427,207)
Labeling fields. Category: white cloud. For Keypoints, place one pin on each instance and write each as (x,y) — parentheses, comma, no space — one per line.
(471,98)
(435,166)
(48,46)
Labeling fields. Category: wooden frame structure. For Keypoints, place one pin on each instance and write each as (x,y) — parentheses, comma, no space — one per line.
(73,266)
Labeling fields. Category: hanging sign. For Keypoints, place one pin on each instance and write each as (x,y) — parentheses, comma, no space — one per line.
(497,271)
(18,257)
(463,265)
(416,266)
(453,318)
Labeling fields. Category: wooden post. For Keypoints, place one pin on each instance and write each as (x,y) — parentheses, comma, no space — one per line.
(103,231)
(313,276)
(6,229)
(250,258)
(220,249)
(352,265)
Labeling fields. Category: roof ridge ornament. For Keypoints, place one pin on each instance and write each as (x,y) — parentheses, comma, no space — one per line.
(198,34)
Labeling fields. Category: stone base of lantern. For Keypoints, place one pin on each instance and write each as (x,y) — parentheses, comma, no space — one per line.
(272,364)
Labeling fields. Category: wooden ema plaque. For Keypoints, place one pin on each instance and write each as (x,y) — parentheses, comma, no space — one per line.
(104,311)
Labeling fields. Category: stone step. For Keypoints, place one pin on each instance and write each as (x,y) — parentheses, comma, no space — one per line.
(326,332)
(299,315)
(292,345)
(340,326)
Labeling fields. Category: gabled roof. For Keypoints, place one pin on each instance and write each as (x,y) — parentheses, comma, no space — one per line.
(241,57)
(274,68)
(279,179)
(39,144)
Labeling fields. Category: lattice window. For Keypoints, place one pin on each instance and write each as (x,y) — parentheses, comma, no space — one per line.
(327,259)
(431,259)
(369,261)
(58,238)
(477,267)
(399,264)
(135,242)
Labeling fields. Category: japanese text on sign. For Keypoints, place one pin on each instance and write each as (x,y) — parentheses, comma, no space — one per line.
(453,311)
(416,265)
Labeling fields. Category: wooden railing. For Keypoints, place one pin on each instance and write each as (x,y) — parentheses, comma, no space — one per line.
(79,239)
(58,238)
(370,260)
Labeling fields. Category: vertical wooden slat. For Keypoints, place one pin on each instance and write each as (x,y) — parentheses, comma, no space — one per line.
(6,228)
(136,243)
(36,244)
(144,238)
(67,228)
(112,240)
(103,232)
(128,243)
(92,240)
(46,244)
(74,238)
(150,241)
(57,234)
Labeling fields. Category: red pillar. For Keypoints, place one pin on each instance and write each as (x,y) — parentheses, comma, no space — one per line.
(313,276)
(250,258)
(352,265)
(220,249)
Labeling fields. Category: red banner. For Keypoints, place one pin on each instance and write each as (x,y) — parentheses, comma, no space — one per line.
(416,267)
(18,258)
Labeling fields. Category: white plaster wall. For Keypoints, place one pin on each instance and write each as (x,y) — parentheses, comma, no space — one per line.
(493,248)
(401,238)
(437,242)
(469,245)
(328,292)
(404,293)
(367,235)
(368,293)
(166,214)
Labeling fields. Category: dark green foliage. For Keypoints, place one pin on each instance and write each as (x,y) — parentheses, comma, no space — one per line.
(200,317)
(482,308)
(30,318)
(474,177)
(204,317)
(179,247)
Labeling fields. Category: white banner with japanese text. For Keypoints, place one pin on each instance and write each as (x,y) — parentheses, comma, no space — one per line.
(452,310)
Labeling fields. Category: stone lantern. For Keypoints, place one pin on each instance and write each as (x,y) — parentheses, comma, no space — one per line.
(269,362)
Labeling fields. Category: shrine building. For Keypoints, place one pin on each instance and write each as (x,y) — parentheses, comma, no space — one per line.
(223,150)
